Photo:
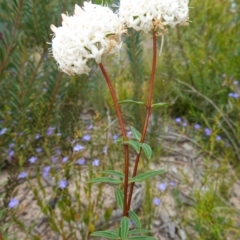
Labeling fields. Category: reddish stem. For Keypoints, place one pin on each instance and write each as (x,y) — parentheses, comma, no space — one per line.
(126,151)
(148,112)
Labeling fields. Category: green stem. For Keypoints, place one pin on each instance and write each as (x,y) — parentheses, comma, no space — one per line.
(148,112)
(126,151)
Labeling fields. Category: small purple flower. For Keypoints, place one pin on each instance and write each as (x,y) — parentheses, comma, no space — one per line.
(37,136)
(32,159)
(46,171)
(172,184)
(105,149)
(178,120)
(156,201)
(96,162)
(227,145)
(11,145)
(3,131)
(54,159)
(62,184)
(39,150)
(22,175)
(86,138)
(50,131)
(78,148)
(81,161)
(11,153)
(218,138)
(162,186)
(235,82)
(129,134)
(197,126)
(65,159)
(90,127)
(235,95)
(115,136)
(208,131)
(231,94)
(58,151)
(13,203)
(184,124)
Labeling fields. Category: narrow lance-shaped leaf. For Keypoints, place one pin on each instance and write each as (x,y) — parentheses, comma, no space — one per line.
(147,150)
(159,105)
(113,172)
(131,101)
(134,144)
(136,134)
(119,197)
(110,234)
(124,228)
(135,218)
(143,176)
(105,180)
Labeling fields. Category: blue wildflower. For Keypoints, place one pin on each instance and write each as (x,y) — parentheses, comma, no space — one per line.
(86,138)
(96,162)
(78,148)
(65,159)
(46,171)
(208,131)
(3,131)
(22,175)
(62,184)
(81,161)
(178,120)
(32,159)
(162,186)
(197,126)
(13,203)
(156,201)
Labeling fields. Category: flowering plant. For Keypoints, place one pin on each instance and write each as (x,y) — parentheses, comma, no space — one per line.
(89,34)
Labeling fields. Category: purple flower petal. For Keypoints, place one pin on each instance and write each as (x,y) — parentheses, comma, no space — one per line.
(96,162)
(62,184)
(22,175)
(197,126)
(13,203)
(178,120)
(156,201)
(208,131)
(46,171)
(78,148)
(86,138)
(81,161)
(162,186)
(39,150)
(218,138)
(3,131)
(65,159)
(32,159)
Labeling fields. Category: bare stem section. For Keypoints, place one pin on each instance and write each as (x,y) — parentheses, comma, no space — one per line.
(148,112)
(121,123)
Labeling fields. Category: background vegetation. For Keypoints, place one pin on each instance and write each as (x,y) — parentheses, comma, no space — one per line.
(198,72)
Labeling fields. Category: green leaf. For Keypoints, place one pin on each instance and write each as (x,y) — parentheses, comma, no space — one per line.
(105,180)
(136,134)
(139,231)
(147,150)
(119,197)
(110,234)
(131,101)
(159,105)
(134,144)
(135,218)
(143,176)
(114,173)
(124,228)
(142,238)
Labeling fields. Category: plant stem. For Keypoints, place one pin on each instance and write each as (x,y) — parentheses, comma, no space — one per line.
(148,112)
(126,151)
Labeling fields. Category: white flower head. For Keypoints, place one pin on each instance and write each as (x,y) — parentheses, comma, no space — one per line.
(146,15)
(92,31)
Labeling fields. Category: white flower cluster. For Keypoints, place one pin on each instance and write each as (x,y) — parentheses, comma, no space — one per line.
(92,31)
(146,15)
